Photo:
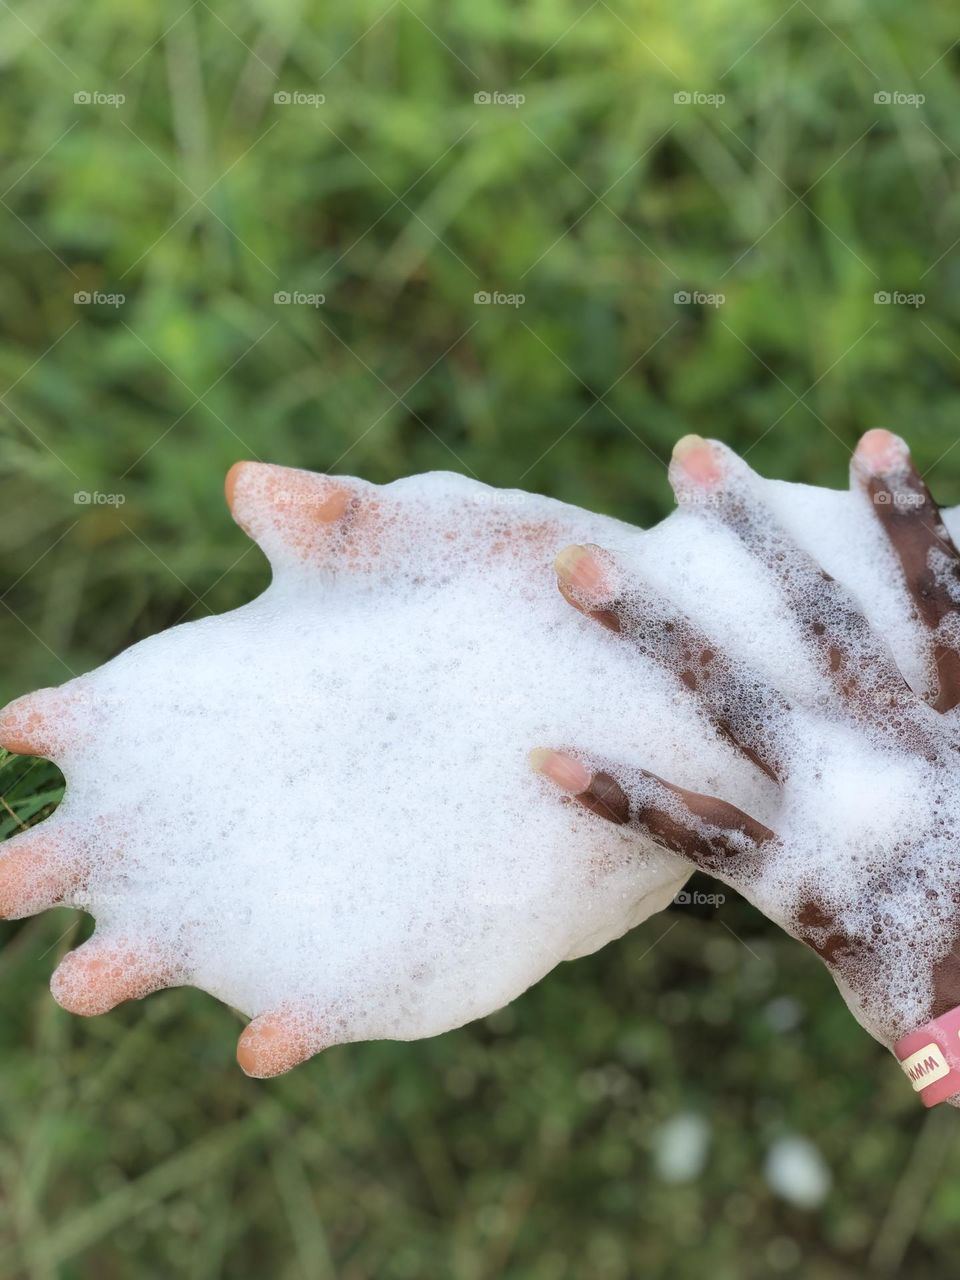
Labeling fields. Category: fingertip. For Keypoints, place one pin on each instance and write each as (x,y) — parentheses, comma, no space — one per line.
(14,737)
(563,770)
(249,1058)
(36,872)
(578,568)
(600,793)
(33,725)
(263,496)
(230,483)
(99,975)
(880,452)
(274,1043)
(696,462)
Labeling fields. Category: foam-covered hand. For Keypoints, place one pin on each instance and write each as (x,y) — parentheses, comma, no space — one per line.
(290,807)
(858,849)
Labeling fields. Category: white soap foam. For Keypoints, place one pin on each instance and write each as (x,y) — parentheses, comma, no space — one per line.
(322,799)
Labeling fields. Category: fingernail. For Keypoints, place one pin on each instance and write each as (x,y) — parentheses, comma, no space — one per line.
(577,568)
(881,452)
(696,459)
(565,772)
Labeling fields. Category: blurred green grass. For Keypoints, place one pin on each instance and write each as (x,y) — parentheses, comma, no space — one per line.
(523,1147)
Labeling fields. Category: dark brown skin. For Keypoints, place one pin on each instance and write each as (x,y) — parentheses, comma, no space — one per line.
(675,643)
(865,683)
(912,522)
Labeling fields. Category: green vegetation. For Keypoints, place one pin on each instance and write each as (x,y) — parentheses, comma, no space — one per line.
(523,1147)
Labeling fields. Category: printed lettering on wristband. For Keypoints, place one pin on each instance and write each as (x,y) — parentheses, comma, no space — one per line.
(930,1058)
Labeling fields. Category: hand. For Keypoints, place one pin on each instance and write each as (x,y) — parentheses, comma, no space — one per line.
(289,805)
(879,901)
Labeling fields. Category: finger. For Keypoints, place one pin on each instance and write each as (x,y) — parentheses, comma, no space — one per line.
(38,870)
(297,515)
(41,723)
(836,633)
(745,711)
(715,835)
(587,579)
(103,973)
(276,1042)
(910,518)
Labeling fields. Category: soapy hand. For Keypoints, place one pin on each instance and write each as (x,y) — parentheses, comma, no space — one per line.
(288,805)
(879,900)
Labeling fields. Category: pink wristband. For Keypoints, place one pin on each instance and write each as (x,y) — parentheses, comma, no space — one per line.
(930,1057)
